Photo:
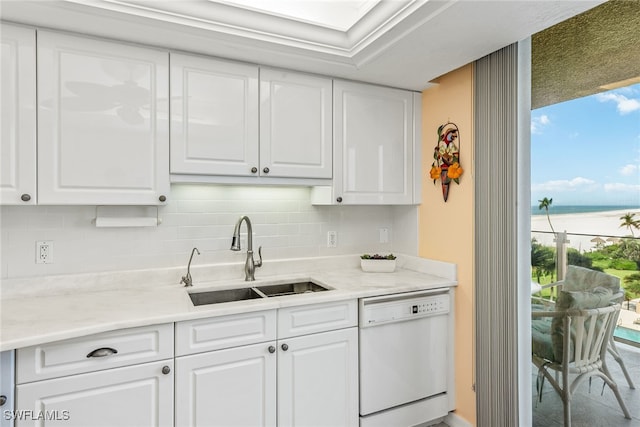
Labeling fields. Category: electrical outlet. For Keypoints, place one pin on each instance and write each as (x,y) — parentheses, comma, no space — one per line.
(44,252)
(332,239)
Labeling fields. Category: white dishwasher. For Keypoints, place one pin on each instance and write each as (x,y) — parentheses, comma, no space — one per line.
(406,364)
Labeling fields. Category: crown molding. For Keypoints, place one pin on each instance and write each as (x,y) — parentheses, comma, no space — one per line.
(405,44)
(249,26)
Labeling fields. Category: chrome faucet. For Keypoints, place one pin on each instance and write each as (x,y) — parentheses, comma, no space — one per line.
(250,265)
(187,279)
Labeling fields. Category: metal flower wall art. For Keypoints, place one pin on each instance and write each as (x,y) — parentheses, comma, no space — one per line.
(446,158)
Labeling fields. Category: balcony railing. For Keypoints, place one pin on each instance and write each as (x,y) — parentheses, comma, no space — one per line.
(628,329)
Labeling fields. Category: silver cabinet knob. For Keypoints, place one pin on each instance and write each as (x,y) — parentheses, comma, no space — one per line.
(272,349)
(3,400)
(265,170)
(162,198)
(284,347)
(25,197)
(254,169)
(339,200)
(166,370)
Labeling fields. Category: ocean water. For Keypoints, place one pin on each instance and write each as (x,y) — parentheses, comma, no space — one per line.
(570,209)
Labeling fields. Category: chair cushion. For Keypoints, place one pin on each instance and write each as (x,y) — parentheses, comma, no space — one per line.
(577,300)
(583,300)
(541,338)
(584,279)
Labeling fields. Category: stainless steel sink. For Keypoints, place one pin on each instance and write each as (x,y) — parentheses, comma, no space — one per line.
(223,295)
(243,294)
(291,289)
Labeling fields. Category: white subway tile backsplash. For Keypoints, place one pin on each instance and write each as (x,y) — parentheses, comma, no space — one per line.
(203,216)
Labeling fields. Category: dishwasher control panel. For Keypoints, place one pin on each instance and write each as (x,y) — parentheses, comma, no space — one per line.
(431,305)
(398,308)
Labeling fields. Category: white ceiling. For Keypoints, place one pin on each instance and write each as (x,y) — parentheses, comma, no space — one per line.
(400,43)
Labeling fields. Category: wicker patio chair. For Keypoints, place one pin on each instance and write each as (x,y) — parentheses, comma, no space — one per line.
(575,347)
(584,279)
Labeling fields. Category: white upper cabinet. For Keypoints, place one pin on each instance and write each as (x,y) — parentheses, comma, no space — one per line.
(214,117)
(18,137)
(103,125)
(227,122)
(295,125)
(375,136)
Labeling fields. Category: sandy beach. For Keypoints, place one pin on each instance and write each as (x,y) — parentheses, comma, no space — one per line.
(593,224)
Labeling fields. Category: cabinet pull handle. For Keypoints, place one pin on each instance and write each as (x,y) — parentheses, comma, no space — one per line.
(102,352)
(339,200)
(265,170)
(284,347)
(162,198)
(3,400)
(166,370)
(25,197)
(272,349)
(254,169)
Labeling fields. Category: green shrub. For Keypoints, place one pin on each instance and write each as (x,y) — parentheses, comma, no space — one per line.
(598,256)
(623,264)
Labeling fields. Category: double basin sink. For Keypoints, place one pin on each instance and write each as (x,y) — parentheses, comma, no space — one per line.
(255,292)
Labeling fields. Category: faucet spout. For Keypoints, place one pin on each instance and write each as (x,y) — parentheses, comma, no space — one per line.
(250,264)
(187,280)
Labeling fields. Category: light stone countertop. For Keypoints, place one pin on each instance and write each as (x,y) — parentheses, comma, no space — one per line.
(46,309)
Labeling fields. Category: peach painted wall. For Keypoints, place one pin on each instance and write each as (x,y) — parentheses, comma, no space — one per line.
(447,229)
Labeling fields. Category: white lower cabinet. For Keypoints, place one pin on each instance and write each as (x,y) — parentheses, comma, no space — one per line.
(318,379)
(7,387)
(231,387)
(118,378)
(139,395)
(296,366)
(307,380)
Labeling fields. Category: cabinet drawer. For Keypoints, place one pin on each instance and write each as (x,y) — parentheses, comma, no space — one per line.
(195,336)
(310,319)
(79,355)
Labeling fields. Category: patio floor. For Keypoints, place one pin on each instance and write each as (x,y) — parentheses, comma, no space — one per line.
(591,409)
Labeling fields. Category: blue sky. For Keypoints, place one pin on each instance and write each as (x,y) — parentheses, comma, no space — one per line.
(587,151)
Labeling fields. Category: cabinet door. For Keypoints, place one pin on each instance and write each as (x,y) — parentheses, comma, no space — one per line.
(318,379)
(103,125)
(18,128)
(373,135)
(214,117)
(140,395)
(295,125)
(7,386)
(231,387)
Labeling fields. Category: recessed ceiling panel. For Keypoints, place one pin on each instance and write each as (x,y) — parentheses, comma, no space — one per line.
(338,15)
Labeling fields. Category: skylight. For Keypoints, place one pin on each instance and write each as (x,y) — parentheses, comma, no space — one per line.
(335,14)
